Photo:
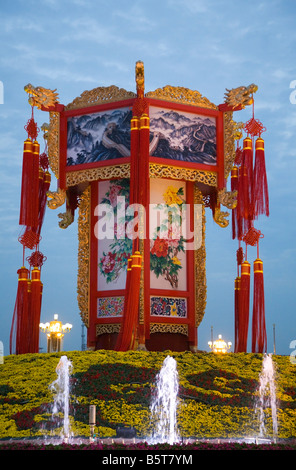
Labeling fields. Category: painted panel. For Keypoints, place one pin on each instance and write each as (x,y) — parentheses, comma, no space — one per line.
(167,237)
(114,248)
(175,307)
(110,307)
(179,135)
(98,136)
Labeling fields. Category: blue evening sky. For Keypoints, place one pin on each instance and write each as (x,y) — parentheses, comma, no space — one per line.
(204,45)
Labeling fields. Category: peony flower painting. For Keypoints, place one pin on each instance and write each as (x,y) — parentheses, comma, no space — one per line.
(114,253)
(167,247)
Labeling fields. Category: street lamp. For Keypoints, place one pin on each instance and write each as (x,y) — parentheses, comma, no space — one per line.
(219,345)
(55,333)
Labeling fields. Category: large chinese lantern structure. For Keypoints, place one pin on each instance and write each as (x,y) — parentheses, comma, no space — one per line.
(140,169)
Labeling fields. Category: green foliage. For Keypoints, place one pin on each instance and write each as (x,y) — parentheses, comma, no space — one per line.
(216,396)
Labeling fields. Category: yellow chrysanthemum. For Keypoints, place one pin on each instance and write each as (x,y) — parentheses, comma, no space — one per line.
(170,196)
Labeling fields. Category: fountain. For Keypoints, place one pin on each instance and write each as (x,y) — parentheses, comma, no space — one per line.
(164,404)
(267,396)
(61,389)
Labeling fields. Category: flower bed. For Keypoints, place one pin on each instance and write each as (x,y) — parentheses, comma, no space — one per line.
(208,446)
(216,395)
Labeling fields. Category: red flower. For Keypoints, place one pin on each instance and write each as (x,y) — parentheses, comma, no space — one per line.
(160,247)
(108,262)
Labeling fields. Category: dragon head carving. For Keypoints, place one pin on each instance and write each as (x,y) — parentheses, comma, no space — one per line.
(40,96)
(240,96)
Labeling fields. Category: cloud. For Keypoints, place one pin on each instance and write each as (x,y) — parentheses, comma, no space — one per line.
(89,29)
(137,17)
(17,24)
(190,6)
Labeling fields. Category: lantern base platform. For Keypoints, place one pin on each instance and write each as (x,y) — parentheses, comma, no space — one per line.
(165,341)
(156,342)
(106,341)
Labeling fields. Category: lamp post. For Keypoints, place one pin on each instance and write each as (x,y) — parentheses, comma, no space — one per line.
(92,421)
(55,333)
(219,345)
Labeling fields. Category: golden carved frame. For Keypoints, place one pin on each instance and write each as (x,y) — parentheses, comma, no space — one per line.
(110,94)
(83,280)
(102,95)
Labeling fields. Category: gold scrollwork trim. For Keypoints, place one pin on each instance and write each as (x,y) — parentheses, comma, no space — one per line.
(166,171)
(108,328)
(169,328)
(100,95)
(229,142)
(53,142)
(156,170)
(181,95)
(83,256)
(200,266)
(101,173)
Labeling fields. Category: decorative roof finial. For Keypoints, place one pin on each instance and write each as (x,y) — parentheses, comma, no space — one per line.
(140,78)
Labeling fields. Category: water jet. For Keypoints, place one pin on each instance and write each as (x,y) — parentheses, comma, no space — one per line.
(267,396)
(164,403)
(61,389)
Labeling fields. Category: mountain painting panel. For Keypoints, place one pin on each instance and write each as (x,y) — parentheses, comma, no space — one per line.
(179,135)
(98,136)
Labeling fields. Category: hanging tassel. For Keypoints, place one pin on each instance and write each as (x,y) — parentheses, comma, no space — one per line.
(237,283)
(260,186)
(143,169)
(245,208)
(35,309)
(18,332)
(244,306)
(259,340)
(44,184)
(30,185)
(126,337)
(26,194)
(236,218)
(234,186)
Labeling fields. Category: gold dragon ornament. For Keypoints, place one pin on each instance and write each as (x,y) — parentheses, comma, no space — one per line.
(240,96)
(56,198)
(40,96)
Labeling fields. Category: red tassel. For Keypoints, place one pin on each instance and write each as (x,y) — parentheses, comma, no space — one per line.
(236,218)
(245,206)
(139,180)
(237,283)
(35,310)
(143,170)
(30,184)
(44,184)
(244,306)
(126,337)
(260,186)
(18,332)
(259,340)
